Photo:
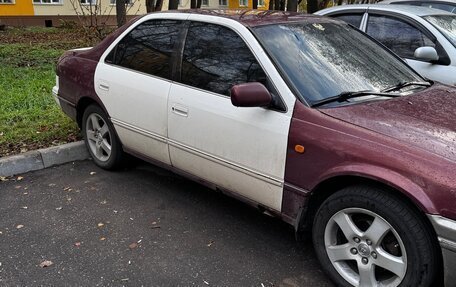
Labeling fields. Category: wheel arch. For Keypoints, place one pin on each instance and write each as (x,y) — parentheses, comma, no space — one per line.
(82,104)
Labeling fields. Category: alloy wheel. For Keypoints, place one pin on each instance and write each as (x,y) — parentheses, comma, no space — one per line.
(98,137)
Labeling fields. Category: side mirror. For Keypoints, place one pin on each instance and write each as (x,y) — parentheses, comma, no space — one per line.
(252,94)
(426,54)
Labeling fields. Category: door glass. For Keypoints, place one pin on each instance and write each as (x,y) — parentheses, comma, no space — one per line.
(148,48)
(353,19)
(399,36)
(216,58)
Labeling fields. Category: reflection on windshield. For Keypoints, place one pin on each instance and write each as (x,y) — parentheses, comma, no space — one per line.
(446,24)
(322,60)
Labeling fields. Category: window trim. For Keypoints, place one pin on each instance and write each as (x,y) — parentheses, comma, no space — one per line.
(180,54)
(242,5)
(223,5)
(7,3)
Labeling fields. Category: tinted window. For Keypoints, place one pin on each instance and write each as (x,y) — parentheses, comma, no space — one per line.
(440,6)
(353,19)
(320,62)
(148,48)
(399,36)
(216,58)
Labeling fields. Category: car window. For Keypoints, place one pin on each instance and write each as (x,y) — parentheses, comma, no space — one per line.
(440,6)
(215,58)
(399,36)
(353,19)
(148,48)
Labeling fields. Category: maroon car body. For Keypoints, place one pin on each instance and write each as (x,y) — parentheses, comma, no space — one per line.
(406,144)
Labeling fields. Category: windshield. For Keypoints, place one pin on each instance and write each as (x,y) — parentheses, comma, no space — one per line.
(446,24)
(322,60)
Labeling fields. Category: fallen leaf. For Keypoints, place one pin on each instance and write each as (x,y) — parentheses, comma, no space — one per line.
(17,186)
(100,224)
(77,244)
(92,173)
(59,208)
(210,243)
(24,207)
(124,279)
(20,178)
(115,211)
(153,223)
(46,263)
(104,202)
(51,184)
(139,241)
(102,238)
(129,262)
(133,245)
(205,282)
(131,218)
(19,226)
(3,178)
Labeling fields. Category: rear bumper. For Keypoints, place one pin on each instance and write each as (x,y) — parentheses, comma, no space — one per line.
(446,232)
(68,108)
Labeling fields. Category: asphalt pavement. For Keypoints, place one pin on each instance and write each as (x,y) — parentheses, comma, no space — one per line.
(76,224)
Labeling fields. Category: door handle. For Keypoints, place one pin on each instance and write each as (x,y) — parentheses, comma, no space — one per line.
(104,86)
(180,110)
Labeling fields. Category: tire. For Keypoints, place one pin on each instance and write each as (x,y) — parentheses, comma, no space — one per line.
(101,139)
(365,236)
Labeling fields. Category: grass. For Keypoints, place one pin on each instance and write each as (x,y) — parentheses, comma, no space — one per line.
(29,116)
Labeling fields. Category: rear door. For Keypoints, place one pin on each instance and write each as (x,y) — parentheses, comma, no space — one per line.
(239,149)
(133,81)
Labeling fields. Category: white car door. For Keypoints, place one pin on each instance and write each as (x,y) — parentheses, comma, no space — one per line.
(133,81)
(242,150)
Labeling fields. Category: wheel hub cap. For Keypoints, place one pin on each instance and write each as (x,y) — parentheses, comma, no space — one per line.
(364,250)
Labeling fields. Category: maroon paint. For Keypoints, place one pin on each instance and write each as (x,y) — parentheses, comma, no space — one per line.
(406,142)
(250,95)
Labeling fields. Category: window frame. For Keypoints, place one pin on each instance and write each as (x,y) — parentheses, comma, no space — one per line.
(223,5)
(444,58)
(114,4)
(244,5)
(89,2)
(177,72)
(350,13)
(7,3)
(174,55)
(60,2)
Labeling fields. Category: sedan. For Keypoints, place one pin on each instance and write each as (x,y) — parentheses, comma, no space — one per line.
(355,148)
(446,5)
(424,37)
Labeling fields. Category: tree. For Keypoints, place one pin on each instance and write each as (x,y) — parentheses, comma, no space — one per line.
(312,6)
(292,5)
(173,4)
(254,4)
(121,12)
(193,4)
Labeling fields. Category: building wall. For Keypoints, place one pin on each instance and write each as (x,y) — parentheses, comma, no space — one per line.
(236,4)
(17,8)
(66,8)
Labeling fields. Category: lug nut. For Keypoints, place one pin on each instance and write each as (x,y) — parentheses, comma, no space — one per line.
(368,242)
(356,239)
(374,255)
(365,260)
(354,251)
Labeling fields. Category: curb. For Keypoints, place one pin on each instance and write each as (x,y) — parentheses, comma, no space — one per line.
(43,158)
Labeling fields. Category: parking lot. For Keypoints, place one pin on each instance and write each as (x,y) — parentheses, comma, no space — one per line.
(141,226)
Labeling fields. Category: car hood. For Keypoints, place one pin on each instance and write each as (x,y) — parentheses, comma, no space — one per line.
(426,119)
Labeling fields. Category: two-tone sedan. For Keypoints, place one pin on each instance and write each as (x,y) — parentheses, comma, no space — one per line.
(303,117)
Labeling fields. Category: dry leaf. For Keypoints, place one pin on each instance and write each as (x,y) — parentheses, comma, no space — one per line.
(24,207)
(133,245)
(19,226)
(51,184)
(20,178)
(210,243)
(102,238)
(46,263)
(92,173)
(3,178)
(100,224)
(59,208)
(77,244)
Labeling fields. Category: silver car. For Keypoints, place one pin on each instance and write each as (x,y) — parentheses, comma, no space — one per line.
(447,5)
(424,37)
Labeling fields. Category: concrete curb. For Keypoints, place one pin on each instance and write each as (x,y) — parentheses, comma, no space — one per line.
(43,158)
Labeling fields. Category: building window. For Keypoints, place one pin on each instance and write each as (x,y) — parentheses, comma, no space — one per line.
(243,3)
(6,1)
(260,3)
(47,1)
(223,2)
(113,2)
(205,3)
(87,2)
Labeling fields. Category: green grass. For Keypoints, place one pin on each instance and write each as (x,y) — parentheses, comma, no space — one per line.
(29,116)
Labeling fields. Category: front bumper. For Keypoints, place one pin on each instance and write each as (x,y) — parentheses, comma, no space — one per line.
(446,232)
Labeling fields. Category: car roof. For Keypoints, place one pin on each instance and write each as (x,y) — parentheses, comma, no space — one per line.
(427,1)
(252,18)
(402,9)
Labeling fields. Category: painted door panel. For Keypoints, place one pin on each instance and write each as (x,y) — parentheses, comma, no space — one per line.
(137,111)
(240,149)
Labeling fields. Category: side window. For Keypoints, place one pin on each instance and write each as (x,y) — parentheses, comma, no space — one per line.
(353,19)
(148,48)
(215,58)
(399,36)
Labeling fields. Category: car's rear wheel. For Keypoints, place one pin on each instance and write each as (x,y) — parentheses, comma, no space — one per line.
(100,138)
(364,236)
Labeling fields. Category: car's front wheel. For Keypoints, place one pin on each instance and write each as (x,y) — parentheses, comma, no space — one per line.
(364,236)
(100,138)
